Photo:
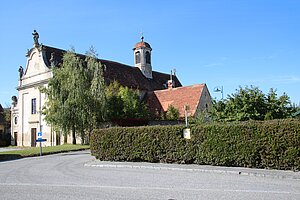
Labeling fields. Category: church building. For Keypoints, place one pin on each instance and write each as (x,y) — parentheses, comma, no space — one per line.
(158,89)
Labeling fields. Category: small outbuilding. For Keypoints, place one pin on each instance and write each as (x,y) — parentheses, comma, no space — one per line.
(196,98)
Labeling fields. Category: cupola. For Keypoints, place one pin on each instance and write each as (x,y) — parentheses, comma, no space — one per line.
(142,57)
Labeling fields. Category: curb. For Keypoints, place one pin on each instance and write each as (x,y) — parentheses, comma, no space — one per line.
(279,174)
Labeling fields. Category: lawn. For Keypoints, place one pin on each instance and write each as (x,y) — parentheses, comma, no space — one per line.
(35,151)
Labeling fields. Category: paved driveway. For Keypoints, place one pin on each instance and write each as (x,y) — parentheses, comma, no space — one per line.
(77,176)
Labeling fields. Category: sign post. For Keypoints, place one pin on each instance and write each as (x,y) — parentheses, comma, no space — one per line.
(186,131)
(40,140)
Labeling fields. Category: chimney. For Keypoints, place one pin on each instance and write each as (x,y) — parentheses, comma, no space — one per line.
(171,82)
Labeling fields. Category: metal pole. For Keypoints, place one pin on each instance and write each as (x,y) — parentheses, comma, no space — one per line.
(222,93)
(219,89)
(186,117)
(40,148)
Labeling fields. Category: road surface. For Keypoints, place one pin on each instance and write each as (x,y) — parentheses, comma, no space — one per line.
(76,175)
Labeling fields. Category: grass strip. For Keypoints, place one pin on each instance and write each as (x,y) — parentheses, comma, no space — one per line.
(35,151)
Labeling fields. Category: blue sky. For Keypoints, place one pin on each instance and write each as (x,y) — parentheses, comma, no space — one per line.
(227,43)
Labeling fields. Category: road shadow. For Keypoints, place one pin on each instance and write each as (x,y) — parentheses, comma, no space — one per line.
(7,157)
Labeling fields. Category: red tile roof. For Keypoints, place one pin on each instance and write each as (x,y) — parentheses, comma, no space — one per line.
(142,44)
(159,101)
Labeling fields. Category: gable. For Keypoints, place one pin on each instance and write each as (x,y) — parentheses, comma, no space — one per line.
(35,64)
(191,96)
(36,71)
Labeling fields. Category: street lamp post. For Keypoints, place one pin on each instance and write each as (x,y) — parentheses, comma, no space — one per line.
(219,89)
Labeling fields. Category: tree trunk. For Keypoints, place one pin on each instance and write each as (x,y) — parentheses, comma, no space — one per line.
(82,137)
(73,135)
(89,136)
(65,138)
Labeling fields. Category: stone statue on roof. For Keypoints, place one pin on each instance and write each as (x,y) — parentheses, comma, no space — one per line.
(53,60)
(35,38)
(21,72)
(14,100)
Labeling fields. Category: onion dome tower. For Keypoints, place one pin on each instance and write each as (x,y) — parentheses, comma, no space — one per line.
(142,57)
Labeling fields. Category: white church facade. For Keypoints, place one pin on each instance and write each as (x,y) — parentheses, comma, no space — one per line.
(27,117)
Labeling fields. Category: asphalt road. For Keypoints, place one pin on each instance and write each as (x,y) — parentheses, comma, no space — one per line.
(75,176)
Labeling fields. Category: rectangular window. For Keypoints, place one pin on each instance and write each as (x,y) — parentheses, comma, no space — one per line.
(33,106)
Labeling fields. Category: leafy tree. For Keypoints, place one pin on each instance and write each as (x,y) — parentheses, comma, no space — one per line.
(7,114)
(115,103)
(97,97)
(124,103)
(132,106)
(252,104)
(172,113)
(278,108)
(2,114)
(200,118)
(76,94)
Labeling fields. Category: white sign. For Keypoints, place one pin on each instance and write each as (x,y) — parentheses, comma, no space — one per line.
(187,133)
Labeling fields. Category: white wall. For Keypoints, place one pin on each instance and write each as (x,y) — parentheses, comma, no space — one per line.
(36,74)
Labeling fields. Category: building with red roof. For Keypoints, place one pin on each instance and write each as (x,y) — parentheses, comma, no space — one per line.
(195,97)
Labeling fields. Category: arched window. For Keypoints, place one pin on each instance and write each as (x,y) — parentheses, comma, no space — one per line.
(137,57)
(148,58)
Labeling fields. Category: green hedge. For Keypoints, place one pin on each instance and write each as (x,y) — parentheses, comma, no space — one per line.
(272,144)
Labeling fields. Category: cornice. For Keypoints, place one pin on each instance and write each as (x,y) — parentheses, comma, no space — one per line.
(34,84)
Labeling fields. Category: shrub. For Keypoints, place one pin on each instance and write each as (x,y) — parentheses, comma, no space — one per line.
(272,144)
(172,113)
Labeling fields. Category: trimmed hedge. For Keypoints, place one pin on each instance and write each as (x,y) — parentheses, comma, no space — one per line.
(271,144)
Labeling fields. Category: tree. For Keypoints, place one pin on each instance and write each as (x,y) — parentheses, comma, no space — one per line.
(115,103)
(2,114)
(97,104)
(76,94)
(124,103)
(278,108)
(252,104)
(172,113)
(5,114)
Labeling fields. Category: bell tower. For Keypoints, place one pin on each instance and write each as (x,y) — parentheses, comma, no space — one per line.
(142,57)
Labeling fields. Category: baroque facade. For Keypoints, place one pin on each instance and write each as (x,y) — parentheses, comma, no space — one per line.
(27,118)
